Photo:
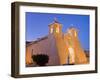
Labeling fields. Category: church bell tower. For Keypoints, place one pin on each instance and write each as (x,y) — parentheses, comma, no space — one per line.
(55,27)
(56,30)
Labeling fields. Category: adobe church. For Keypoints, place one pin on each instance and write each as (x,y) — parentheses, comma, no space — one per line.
(62,48)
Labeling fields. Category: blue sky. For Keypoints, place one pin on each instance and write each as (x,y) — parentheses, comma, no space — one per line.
(37,25)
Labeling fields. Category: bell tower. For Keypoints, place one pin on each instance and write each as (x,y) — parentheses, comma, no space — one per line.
(55,27)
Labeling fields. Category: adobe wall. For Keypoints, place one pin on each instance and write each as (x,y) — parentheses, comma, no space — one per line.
(46,46)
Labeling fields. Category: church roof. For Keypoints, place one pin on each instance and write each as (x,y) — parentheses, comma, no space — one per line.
(36,41)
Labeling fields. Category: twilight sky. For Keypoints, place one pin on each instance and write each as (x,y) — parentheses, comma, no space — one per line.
(37,25)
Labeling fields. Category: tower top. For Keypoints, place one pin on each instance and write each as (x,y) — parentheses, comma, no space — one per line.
(73,27)
(55,19)
(55,22)
(55,27)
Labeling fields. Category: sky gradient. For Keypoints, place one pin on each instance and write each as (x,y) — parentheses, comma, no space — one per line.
(37,25)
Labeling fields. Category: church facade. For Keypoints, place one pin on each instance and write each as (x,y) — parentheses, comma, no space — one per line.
(62,48)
